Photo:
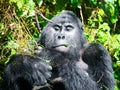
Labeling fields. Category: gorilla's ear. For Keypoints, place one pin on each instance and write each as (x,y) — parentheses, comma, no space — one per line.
(42,39)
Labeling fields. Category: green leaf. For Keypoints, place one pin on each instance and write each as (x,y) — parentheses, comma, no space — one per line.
(59,5)
(66,45)
(100,18)
(118,38)
(1,27)
(101,12)
(13,45)
(112,9)
(20,14)
(13,1)
(79,5)
(110,1)
(13,51)
(31,13)
(31,4)
(20,4)
(116,55)
(119,2)
(114,19)
(39,2)
(74,1)
(94,2)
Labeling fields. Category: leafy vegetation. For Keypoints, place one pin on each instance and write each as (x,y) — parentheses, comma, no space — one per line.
(20,25)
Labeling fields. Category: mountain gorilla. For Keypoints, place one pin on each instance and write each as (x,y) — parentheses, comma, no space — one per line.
(76,64)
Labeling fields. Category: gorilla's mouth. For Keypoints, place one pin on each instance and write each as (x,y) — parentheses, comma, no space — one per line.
(65,45)
(61,48)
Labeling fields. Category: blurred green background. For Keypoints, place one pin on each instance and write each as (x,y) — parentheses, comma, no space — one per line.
(20,25)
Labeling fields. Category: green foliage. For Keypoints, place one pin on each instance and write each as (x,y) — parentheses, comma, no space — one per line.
(25,7)
(102,34)
(110,7)
(98,30)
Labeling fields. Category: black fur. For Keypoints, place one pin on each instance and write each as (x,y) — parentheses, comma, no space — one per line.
(81,66)
(23,72)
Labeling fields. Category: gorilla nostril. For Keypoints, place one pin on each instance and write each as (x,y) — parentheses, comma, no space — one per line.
(59,37)
(63,37)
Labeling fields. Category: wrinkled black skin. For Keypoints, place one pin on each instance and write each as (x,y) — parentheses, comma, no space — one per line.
(81,66)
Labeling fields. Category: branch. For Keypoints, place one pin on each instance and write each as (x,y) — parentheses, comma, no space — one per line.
(39,87)
(38,25)
(39,13)
(81,15)
(56,80)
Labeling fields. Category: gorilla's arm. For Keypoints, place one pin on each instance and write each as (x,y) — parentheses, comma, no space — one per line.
(23,72)
(100,65)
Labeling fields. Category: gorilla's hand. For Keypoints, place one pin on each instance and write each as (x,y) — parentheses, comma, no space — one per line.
(32,70)
(43,72)
(38,50)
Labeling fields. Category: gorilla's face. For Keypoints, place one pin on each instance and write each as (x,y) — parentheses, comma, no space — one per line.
(63,34)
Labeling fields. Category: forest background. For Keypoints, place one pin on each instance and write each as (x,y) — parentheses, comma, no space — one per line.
(21,22)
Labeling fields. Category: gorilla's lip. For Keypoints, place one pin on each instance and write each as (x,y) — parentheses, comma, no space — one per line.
(65,45)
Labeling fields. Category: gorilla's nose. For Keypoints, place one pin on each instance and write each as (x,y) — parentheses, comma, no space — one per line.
(61,37)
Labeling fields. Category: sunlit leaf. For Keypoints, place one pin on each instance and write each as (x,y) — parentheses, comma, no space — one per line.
(118,38)
(20,4)
(111,8)
(116,55)
(13,51)
(1,26)
(119,2)
(101,12)
(100,18)
(14,1)
(31,4)
(109,1)
(31,13)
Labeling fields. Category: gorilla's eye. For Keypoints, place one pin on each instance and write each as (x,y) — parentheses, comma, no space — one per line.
(69,28)
(57,27)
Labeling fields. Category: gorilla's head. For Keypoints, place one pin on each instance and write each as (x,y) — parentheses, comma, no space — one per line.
(64,34)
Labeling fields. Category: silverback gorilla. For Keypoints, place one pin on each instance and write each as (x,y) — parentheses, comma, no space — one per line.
(74,64)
